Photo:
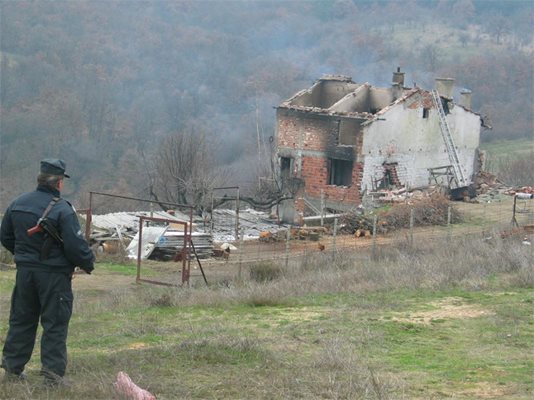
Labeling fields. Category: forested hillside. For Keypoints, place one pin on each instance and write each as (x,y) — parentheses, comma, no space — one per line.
(104,84)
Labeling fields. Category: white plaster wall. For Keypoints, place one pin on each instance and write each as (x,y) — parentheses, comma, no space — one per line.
(416,144)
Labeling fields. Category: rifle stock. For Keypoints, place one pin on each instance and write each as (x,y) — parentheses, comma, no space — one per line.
(35,229)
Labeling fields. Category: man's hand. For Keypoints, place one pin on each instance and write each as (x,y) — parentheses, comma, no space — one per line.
(79,271)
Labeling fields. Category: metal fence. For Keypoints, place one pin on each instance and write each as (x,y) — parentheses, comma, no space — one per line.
(501,215)
(505,216)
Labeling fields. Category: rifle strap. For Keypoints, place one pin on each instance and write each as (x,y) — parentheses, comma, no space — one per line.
(45,250)
(49,207)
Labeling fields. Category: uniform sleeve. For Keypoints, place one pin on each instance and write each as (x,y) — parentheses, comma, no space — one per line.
(75,246)
(7,233)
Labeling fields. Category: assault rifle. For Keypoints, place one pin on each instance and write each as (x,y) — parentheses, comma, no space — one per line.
(44,225)
(53,235)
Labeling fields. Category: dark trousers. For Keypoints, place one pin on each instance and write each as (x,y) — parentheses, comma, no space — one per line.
(43,295)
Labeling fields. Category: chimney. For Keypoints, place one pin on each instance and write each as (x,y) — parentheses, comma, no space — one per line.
(396,90)
(445,86)
(398,77)
(465,98)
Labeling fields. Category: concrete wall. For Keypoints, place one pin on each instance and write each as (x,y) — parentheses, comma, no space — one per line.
(323,94)
(415,143)
(303,99)
(357,101)
(379,98)
(331,92)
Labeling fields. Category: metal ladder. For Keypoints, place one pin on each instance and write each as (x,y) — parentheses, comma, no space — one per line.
(459,176)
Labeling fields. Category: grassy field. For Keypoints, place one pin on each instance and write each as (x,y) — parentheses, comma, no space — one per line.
(423,322)
(511,160)
(508,148)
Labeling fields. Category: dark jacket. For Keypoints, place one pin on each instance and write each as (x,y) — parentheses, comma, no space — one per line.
(23,213)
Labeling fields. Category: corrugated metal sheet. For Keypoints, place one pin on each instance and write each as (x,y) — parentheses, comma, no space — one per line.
(151,237)
(130,220)
(251,223)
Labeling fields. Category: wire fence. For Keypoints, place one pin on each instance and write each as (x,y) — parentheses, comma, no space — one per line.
(504,216)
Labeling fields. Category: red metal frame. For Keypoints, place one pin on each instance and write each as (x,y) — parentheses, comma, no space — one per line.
(186,261)
(187,233)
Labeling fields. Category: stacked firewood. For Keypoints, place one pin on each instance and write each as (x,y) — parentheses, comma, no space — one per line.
(356,225)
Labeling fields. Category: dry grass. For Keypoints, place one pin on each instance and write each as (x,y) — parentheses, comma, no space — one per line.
(466,262)
(284,349)
(265,271)
(515,170)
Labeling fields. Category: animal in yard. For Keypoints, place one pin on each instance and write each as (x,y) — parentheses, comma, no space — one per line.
(226,248)
(321,246)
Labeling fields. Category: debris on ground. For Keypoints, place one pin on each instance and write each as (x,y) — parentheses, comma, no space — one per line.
(431,210)
(252,223)
(172,240)
(127,389)
(224,250)
(486,182)
(312,233)
(115,232)
(522,232)
(356,224)
(525,192)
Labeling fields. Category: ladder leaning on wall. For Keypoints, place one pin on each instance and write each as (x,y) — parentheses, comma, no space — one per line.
(459,176)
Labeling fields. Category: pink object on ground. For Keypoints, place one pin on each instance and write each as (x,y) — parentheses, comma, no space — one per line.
(129,390)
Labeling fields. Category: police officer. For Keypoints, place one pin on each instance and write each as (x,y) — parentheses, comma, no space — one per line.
(45,265)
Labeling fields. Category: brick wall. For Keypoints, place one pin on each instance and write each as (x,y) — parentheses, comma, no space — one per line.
(306,132)
(315,175)
(297,131)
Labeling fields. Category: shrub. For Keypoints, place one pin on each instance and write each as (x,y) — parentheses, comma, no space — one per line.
(517,170)
(432,210)
(6,257)
(265,272)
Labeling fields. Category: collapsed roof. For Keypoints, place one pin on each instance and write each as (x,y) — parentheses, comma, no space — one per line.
(339,95)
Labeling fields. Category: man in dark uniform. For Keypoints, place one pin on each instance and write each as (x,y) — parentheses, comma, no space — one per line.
(45,263)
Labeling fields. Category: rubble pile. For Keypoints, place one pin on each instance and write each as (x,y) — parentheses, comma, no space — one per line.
(432,210)
(356,224)
(524,192)
(252,223)
(308,232)
(486,182)
(115,231)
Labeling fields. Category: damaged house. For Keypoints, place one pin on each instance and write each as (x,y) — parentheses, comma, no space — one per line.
(339,139)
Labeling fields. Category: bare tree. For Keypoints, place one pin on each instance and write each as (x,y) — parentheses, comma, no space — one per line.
(431,56)
(184,172)
(498,26)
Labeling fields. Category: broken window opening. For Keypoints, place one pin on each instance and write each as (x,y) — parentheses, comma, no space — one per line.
(426,112)
(285,167)
(445,104)
(390,178)
(339,172)
(348,130)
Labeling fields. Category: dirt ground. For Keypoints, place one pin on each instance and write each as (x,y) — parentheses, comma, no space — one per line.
(498,214)
(486,216)
(448,308)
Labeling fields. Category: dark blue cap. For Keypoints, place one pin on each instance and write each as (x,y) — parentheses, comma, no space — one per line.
(54,166)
